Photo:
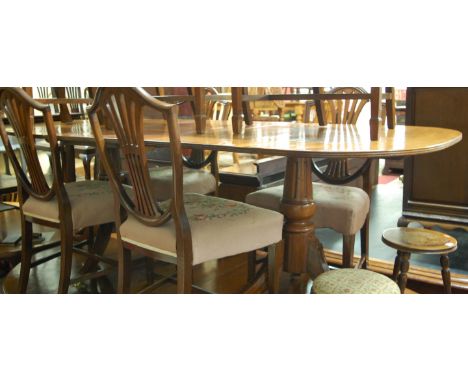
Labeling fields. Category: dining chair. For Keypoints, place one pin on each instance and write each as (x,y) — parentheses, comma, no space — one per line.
(85,153)
(188,228)
(69,207)
(266,110)
(197,178)
(344,209)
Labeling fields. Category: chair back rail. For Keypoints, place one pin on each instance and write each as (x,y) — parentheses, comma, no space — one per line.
(122,109)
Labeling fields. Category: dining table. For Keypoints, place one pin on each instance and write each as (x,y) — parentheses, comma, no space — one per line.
(300,143)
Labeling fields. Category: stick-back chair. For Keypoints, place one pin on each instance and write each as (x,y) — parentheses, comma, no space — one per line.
(189,228)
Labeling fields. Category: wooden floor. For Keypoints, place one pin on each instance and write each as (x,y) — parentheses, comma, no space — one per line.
(223,276)
(220,276)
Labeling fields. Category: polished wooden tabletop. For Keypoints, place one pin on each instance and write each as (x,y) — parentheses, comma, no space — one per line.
(284,138)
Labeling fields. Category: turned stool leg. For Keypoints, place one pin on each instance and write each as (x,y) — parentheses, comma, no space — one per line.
(396,267)
(445,271)
(404,267)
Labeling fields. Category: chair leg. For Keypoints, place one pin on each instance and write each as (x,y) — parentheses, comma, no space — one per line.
(7,164)
(184,278)
(365,244)
(396,267)
(404,267)
(26,254)
(86,159)
(275,266)
(66,242)
(251,266)
(149,265)
(445,271)
(124,270)
(348,250)
(97,243)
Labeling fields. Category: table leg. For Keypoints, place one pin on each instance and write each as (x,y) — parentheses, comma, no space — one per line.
(237,115)
(200,110)
(303,251)
(69,173)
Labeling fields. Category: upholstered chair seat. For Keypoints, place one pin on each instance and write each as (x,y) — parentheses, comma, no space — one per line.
(219,228)
(92,203)
(195,181)
(354,281)
(341,208)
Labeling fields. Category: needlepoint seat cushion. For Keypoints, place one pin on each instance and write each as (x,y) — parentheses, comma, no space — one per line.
(219,227)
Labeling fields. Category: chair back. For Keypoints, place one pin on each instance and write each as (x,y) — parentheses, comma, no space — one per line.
(18,107)
(339,111)
(122,109)
(217,110)
(74,92)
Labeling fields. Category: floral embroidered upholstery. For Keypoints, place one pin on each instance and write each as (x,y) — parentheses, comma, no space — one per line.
(354,281)
(341,208)
(92,203)
(219,228)
(195,181)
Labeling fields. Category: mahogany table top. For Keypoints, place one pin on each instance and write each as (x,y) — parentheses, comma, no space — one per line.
(283,138)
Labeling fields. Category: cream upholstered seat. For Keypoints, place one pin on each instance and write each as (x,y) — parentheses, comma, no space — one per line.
(91,203)
(219,228)
(354,281)
(195,181)
(341,208)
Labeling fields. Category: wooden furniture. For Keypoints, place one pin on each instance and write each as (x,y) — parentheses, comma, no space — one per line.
(241,106)
(341,208)
(69,207)
(419,240)
(266,110)
(10,224)
(338,171)
(68,106)
(436,186)
(187,229)
(354,281)
(299,143)
(242,112)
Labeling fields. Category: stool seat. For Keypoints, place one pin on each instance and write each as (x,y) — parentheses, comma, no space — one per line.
(419,240)
(354,281)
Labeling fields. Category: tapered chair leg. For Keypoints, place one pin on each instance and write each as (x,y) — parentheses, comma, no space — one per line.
(7,164)
(275,266)
(365,244)
(66,258)
(149,267)
(184,278)
(348,250)
(124,270)
(445,271)
(26,254)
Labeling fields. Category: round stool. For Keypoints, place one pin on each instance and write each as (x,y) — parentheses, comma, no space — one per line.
(354,281)
(423,241)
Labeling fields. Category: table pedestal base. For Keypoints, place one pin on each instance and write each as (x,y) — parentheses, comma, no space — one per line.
(303,251)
